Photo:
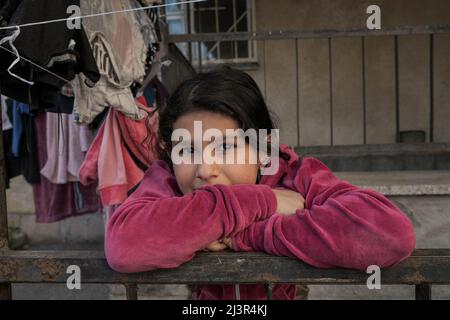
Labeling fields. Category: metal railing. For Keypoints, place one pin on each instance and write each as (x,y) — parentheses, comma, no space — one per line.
(422,269)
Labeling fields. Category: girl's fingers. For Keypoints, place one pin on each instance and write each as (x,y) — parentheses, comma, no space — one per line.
(216,246)
(227,242)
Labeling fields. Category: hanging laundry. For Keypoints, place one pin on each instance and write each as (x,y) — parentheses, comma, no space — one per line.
(7,9)
(120,51)
(12,169)
(19,144)
(6,123)
(122,146)
(98,120)
(158,50)
(65,101)
(150,2)
(63,51)
(7,139)
(18,109)
(149,26)
(66,143)
(55,202)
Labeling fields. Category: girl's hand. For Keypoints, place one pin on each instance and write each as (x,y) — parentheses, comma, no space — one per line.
(217,245)
(288,201)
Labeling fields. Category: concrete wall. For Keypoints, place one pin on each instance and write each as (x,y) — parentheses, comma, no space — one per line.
(320,90)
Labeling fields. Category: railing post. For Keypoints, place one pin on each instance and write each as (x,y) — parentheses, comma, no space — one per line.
(5,288)
(132,291)
(423,291)
(3,212)
(269,290)
(5,291)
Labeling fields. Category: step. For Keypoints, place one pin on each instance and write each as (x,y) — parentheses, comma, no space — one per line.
(382,157)
(401,183)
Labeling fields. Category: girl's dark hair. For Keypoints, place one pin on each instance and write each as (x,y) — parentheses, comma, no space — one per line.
(227,91)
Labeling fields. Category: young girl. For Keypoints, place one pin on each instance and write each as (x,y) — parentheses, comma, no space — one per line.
(302,211)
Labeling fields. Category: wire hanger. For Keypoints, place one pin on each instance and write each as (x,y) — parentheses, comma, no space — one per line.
(11,39)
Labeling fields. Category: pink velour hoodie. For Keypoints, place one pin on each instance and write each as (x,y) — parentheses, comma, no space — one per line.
(341,225)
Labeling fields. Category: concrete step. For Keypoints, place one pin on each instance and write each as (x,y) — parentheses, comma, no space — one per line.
(382,157)
(401,183)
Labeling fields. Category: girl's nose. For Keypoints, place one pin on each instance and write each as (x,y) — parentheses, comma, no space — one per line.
(207,172)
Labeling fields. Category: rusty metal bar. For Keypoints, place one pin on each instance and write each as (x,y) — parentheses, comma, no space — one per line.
(5,288)
(5,291)
(423,291)
(3,210)
(424,266)
(269,289)
(131,291)
(307,34)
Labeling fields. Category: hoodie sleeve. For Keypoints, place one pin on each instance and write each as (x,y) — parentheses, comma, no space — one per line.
(155,228)
(341,225)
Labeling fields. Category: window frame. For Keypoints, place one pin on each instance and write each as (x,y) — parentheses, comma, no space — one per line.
(191,49)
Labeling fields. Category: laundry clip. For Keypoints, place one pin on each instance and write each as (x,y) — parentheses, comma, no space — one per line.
(11,39)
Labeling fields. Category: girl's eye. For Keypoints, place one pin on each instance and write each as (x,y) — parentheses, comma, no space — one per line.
(227,146)
(187,150)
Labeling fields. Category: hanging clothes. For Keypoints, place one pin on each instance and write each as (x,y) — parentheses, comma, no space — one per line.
(65,101)
(18,110)
(150,2)
(121,52)
(54,46)
(20,144)
(7,9)
(6,122)
(122,146)
(55,202)
(7,138)
(67,144)
(149,26)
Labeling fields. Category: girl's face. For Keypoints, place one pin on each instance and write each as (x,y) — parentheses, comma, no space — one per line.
(191,176)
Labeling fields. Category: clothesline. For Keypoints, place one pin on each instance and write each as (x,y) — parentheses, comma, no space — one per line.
(99,14)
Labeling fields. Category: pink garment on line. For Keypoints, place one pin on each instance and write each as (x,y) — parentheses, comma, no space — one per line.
(341,225)
(109,161)
(55,202)
(67,143)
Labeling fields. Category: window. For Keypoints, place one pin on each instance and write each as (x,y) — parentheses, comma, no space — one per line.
(214,16)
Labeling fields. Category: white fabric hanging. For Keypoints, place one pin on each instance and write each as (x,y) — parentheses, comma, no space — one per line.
(6,123)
